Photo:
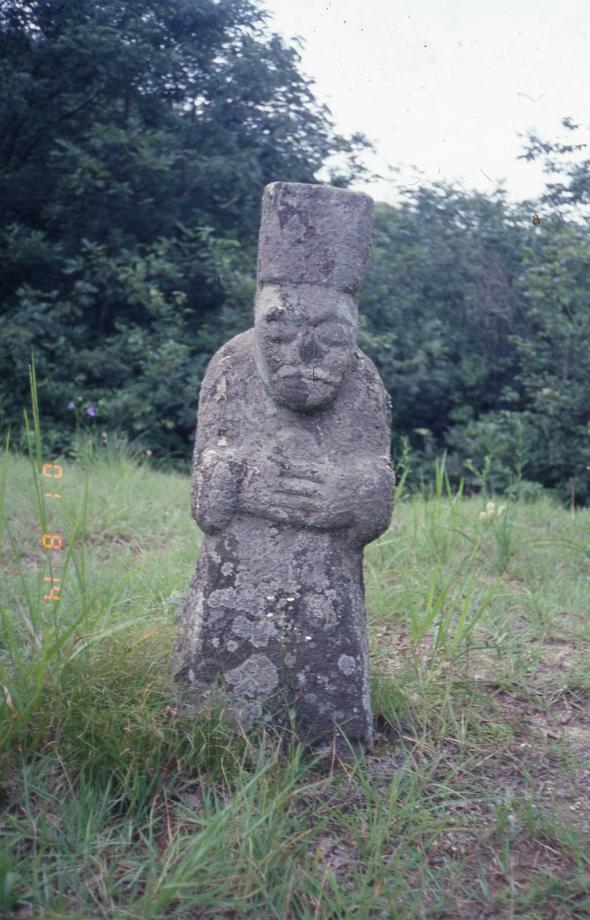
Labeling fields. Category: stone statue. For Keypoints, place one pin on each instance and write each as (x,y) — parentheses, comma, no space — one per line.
(291,479)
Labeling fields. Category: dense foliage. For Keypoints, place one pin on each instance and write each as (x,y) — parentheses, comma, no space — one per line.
(479,320)
(135,140)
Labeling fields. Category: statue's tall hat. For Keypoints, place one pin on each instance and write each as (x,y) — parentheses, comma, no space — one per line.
(314,234)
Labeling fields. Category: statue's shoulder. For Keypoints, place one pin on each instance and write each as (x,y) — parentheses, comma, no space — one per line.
(240,348)
(367,393)
(367,378)
(366,407)
(365,366)
(236,357)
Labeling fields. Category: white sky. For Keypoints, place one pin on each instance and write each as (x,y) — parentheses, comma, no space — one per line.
(444,87)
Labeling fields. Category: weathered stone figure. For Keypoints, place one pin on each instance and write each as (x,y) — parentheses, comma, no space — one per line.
(291,479)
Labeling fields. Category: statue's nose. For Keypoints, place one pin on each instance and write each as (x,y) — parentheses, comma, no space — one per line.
(308,347)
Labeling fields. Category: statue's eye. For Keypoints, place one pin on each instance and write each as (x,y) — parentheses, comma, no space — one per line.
(282,336)
(333,334)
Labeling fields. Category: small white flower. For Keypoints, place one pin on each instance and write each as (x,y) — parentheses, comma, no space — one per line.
(490,507)
(308,638)
(290,600)
(271,614)
(270,597)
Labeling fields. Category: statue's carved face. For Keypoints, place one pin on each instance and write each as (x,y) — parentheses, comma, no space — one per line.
(305,335)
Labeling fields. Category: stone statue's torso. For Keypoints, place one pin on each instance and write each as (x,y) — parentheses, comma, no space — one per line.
(291,479)
(280,601)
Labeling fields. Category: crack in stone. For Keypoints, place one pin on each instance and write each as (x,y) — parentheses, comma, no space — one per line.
(315,360)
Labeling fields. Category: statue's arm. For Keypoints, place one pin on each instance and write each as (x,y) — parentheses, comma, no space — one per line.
(356,495)
(372,476)
(217,469)
(361,487)
(371,488)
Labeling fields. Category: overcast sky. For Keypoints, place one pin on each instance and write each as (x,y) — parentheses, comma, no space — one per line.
(444,87)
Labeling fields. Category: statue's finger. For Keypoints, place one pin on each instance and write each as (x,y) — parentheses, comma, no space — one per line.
(292,486)
(295,470)
(293,502)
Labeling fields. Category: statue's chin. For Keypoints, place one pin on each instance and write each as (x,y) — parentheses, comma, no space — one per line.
(302,395)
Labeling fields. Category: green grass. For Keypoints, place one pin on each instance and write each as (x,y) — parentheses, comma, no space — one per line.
(473,804)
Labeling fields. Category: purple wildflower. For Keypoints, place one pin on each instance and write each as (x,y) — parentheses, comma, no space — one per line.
(91,410)
(71,404)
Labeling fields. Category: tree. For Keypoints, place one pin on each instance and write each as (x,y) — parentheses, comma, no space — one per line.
(440,306)
(568,191)
(135,139)
(479,321)
(554,359)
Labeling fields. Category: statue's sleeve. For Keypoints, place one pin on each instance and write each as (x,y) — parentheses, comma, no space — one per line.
(216,470)
(369,465)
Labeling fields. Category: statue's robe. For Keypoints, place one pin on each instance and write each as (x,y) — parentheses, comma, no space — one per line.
(275,611)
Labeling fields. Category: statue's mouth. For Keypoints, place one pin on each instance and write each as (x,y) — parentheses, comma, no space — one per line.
(310,377)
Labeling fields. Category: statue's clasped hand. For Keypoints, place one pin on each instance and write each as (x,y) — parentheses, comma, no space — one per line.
(296,493)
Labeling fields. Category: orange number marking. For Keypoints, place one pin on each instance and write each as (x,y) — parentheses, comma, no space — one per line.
(52,541)
(54,589)
(52,466)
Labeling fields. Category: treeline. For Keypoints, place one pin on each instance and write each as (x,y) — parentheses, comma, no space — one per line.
(135,140)
(477,313)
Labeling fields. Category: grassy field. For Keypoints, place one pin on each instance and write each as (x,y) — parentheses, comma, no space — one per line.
(474,804)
